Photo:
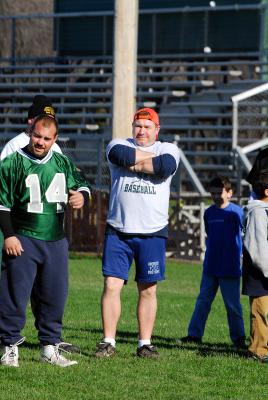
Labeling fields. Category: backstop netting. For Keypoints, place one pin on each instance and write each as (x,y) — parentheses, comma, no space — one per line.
(250,123)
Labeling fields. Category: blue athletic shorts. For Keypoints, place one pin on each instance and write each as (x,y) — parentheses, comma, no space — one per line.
(148,252)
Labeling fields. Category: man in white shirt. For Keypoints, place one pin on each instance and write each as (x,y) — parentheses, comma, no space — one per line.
(141,170)
(41,105)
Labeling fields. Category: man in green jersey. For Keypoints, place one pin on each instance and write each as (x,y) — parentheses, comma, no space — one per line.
(41,105)
(35,185)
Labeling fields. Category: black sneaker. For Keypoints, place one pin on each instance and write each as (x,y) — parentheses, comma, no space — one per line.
(68,348)
(262,359)
(189,339)
(147,350)
(104,350)
(240,344)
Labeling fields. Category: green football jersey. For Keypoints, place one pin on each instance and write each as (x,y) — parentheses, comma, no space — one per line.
(36,192)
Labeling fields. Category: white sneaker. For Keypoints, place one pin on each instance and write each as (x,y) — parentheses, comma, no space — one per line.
(11,354)
(51,355)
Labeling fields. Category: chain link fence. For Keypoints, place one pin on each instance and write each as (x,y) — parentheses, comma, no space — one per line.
(85,228)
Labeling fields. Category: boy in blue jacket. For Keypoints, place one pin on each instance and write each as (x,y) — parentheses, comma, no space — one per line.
(222,264)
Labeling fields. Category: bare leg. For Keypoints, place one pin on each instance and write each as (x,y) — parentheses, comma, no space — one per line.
(146,309)
(111,305)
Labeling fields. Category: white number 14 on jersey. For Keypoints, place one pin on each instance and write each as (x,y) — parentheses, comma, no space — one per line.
(56,192)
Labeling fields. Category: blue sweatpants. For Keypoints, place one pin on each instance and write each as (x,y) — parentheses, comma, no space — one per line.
(230,290)
(44,265)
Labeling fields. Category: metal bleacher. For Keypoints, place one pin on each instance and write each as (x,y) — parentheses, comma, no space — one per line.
(192,97)
(187,70)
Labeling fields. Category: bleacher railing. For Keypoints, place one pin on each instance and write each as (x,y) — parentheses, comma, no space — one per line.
(154,17)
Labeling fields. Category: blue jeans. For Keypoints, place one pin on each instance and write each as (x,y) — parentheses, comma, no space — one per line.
(230,290)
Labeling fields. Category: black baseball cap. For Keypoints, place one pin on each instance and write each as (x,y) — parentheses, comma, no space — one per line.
(42,105)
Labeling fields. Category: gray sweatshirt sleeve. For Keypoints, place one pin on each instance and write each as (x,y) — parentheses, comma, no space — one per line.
(255,240)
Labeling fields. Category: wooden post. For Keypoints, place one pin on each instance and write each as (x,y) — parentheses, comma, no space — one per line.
(125,66)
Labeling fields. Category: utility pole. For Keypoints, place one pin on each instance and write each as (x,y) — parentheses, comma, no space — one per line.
(125,66)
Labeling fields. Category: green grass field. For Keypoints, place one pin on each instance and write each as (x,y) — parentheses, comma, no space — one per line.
(211,371)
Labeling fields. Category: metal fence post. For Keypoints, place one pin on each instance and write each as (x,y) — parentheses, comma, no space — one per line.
(99,184)
(13,41)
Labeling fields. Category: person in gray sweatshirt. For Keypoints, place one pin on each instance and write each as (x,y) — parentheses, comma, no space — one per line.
(255,267)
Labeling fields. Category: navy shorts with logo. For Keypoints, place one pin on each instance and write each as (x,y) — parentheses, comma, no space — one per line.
(148,252)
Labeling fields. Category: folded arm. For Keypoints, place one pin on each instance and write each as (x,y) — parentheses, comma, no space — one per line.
(126,156)
(137,160)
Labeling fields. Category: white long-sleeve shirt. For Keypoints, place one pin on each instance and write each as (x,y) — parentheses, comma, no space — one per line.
(18,142)
(139,202)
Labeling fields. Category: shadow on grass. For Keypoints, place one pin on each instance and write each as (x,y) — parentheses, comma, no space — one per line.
(215,350)
(31,346)
(36,346)
(204,349)
(129,337)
